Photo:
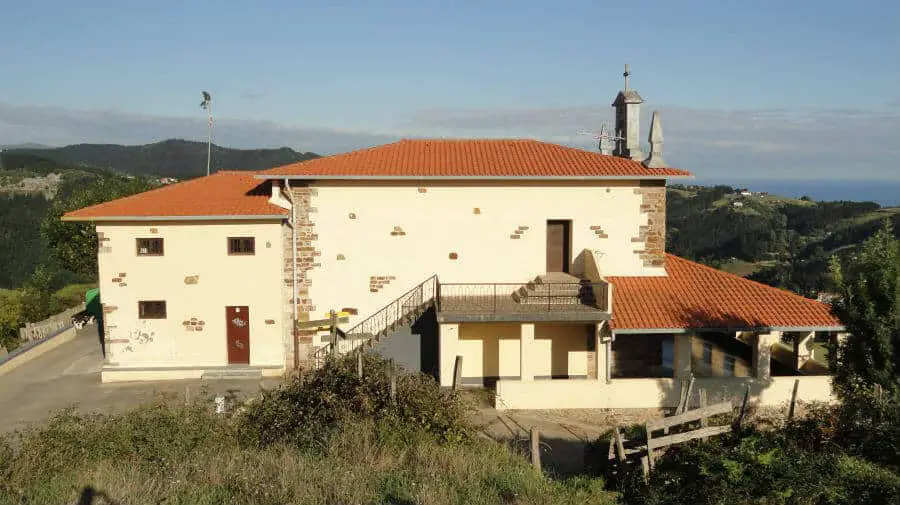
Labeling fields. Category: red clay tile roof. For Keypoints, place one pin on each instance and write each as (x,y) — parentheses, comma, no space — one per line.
(227,194)
(472,158)
(696,296)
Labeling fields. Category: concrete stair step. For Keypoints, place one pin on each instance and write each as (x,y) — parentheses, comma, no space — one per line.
(232,373)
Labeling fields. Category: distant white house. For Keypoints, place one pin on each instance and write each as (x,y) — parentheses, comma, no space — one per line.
(746,193)
(738,204)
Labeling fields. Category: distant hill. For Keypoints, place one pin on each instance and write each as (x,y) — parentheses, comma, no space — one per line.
(169,158)
(784,242)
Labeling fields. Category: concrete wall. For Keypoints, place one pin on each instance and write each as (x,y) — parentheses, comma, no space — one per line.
(653,393)
(372,242)
(197,279)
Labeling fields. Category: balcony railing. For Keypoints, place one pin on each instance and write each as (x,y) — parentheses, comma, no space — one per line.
(513,298)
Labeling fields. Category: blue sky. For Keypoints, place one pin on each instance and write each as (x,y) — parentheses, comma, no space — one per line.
(740,84)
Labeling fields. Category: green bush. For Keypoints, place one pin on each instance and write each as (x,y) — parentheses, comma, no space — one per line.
(861,425)
(71,295)
(186,454)
(306,408)
(760,468)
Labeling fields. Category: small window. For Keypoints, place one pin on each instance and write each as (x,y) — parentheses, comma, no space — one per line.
(707,353)
(149,247)
(729,366)
(241,245)
(152,310)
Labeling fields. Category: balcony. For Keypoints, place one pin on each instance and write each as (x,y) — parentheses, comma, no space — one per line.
(551,297)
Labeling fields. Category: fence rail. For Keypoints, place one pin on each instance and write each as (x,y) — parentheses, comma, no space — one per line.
(504,297)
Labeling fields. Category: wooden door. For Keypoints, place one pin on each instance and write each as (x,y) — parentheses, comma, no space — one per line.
(237,322)
(557,246)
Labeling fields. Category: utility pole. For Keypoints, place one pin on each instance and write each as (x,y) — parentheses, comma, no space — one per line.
(206,105)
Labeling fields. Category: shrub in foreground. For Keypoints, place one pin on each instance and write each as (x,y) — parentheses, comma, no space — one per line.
(176,454)
(760,468)
(306,408)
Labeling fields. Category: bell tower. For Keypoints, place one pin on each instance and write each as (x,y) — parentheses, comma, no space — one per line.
(628,117)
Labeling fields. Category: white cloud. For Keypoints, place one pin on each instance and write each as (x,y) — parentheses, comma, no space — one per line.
(838,143)
(60,126)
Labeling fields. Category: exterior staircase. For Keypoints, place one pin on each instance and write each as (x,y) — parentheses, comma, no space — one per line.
(403,310)
(555,288)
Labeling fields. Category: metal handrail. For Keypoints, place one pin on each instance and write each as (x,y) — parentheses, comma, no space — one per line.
(494,297)
(371,327)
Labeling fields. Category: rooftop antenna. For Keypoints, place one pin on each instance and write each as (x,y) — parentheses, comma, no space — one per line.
(206,105)
(606,141)
(625,75)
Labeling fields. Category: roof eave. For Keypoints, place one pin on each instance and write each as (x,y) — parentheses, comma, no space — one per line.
(626,331)
(473,177)
(248,217)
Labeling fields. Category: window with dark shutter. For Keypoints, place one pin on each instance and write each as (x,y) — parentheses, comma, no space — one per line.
(238,246)
(152,310)
(149,247)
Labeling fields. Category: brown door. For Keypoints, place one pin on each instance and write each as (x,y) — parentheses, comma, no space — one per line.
(237,320)
(557,246)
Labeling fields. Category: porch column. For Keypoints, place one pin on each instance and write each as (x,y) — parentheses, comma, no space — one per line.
(682,353)
(803,349)
(448,339)
(526,352)
(762,354)
(602,345)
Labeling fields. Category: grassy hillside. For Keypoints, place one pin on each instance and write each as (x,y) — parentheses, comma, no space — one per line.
(780,241)
(169,158)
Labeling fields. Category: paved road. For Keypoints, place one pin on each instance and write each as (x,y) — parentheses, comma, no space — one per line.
(70,376)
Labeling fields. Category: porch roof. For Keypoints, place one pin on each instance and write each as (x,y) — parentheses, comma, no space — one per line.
(694,296)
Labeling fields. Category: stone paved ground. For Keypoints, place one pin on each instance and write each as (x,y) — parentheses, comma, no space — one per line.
(70,376)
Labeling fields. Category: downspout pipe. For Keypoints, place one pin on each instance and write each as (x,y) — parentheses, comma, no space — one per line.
(293,222)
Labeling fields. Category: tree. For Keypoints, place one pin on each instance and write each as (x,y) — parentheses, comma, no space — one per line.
(10,318)
(74,245)
(869,308)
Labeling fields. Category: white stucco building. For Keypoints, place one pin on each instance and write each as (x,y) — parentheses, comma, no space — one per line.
(543,267)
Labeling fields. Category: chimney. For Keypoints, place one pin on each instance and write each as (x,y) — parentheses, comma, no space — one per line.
(655,160)
(628,116)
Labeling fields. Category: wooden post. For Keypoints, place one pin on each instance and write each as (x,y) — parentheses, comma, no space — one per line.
(703,421)
(620,446)
(457,372)
(332,330)
(393,383)
(878,392)
(683,400)
(187,394)
(536,449)
(793,400)
(359,363)
(740,419)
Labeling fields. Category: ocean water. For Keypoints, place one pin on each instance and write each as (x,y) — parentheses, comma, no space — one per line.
(884,193)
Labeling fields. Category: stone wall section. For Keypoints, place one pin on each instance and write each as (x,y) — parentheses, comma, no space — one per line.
(307,260)
(287,296)
(653,234)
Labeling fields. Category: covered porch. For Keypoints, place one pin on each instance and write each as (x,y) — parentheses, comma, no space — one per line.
(564,366)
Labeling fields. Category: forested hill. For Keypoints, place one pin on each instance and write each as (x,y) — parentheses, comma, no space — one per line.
(783,242)
(169,158)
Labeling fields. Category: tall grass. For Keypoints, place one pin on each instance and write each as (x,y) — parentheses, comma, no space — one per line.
(187,454)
